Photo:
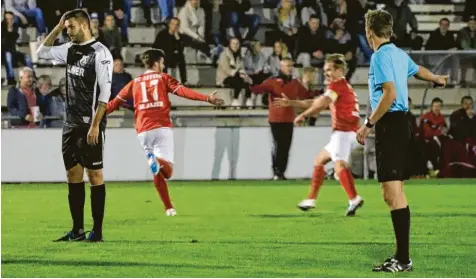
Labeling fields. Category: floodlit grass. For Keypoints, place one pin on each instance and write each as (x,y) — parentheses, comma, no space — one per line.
(238,229)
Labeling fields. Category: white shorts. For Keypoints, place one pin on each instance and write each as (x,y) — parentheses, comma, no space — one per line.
(341,145)
(160,142)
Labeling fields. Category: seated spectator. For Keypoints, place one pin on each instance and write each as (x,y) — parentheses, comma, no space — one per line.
(24,103)
(310,8)
(416,41)
(120,78)
(231,72)
(441,38)
(27,12)
(356,24)
(335,9)
(42,91)
(340,41)
(234,12)
(433,128)
(121,18)
(171,42)
(9,49)
(280,51)
(112,36)
(311,43)
(57,105)
(402,17)
(467,41)
(255,67)
(463,122)
(96,32)
(288,22)
(166,10)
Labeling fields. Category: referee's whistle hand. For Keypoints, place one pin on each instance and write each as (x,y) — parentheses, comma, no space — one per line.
(362,134)
(441,81)
(93,135)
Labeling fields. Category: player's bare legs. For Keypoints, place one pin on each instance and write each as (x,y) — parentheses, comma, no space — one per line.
(346,179)
(318,176)
(98,199)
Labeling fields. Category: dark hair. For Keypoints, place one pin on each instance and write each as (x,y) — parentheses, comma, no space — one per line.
(8,13)
(150,56)
(174,18)
(445,19)
(380,22)
(466,98)
(314,16)
(78,14)
(436,100)
(233,38)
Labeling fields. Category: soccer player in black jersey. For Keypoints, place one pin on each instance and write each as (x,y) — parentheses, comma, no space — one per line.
(88,87)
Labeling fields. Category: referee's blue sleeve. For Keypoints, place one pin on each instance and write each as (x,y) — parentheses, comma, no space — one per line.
(383,69)
(412,67)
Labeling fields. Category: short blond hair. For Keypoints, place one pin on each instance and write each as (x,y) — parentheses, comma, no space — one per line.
(309,70)
(380,22)
(338,60)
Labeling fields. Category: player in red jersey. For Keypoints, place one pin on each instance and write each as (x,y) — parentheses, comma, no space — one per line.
(152,117)
(344,106)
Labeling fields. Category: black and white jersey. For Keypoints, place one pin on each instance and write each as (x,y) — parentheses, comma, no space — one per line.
(88,78)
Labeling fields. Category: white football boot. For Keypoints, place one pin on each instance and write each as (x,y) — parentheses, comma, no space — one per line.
(170,212)
(354,204)
(307,204)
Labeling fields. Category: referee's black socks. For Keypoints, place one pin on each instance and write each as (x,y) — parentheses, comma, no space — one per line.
(98,200)
(76,197)
(401,226)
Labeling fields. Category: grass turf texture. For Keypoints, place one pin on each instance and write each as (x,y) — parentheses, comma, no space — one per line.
(238,229)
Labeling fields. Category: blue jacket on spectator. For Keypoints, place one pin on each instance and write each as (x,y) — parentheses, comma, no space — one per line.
(119,80)
(18,105)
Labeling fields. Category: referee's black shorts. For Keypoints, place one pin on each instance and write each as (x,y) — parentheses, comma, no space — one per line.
(76,149)
(392,143)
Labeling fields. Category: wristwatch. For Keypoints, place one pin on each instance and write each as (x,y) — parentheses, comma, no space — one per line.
(368,124)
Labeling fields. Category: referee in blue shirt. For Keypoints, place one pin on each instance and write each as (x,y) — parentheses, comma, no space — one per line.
(390,68)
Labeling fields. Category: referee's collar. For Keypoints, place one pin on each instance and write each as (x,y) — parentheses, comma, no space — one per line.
(384,44)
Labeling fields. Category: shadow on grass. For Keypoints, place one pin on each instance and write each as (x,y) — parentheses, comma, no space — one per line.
(414,214)
(26,261)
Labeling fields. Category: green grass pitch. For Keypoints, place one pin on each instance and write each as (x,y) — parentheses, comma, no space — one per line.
(238,229)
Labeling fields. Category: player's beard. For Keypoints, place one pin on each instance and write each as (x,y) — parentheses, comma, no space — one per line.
(78,38)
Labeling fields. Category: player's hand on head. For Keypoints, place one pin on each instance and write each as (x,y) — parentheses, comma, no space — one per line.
(62,20)
(441,81)
(93,135)
(214,100)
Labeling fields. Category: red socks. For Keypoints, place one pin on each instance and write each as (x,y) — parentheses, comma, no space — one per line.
(347,180)
(165,168)
(316,182)
(162,189)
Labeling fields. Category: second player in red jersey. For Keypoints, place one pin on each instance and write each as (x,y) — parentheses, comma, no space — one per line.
(344,106)
(150,92)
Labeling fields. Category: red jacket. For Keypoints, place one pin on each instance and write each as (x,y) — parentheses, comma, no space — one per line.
(432,125)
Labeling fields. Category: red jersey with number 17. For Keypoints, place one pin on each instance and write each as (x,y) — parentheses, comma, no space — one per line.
(151,99)
(345,106)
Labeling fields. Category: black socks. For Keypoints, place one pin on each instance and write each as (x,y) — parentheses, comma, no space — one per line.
(98,200)
(401,226)
(76,197)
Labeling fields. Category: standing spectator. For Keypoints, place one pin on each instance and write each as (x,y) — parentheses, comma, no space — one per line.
(120,78)
(216,29)
(340,41)
(24,103)
(356,24)
(288,22)
(280,51)
(231,72)
(26,12)
(112,36)
(313,7)
(234,11)
(463,122)
(433,128)
(311,43)
(166,10)
(57,105)
(255,64)
(402,17)
(170,41)
(281,118)
(9,49)
(467,41)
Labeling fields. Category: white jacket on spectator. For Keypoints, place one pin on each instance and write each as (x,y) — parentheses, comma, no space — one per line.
(228,66)
(254,63)
(192,21)
(16,6)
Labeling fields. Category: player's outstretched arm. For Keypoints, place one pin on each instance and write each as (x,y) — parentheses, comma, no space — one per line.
(286,102)
(318,105)
(425,74)
(47,51)
(176,88)
(124,95)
